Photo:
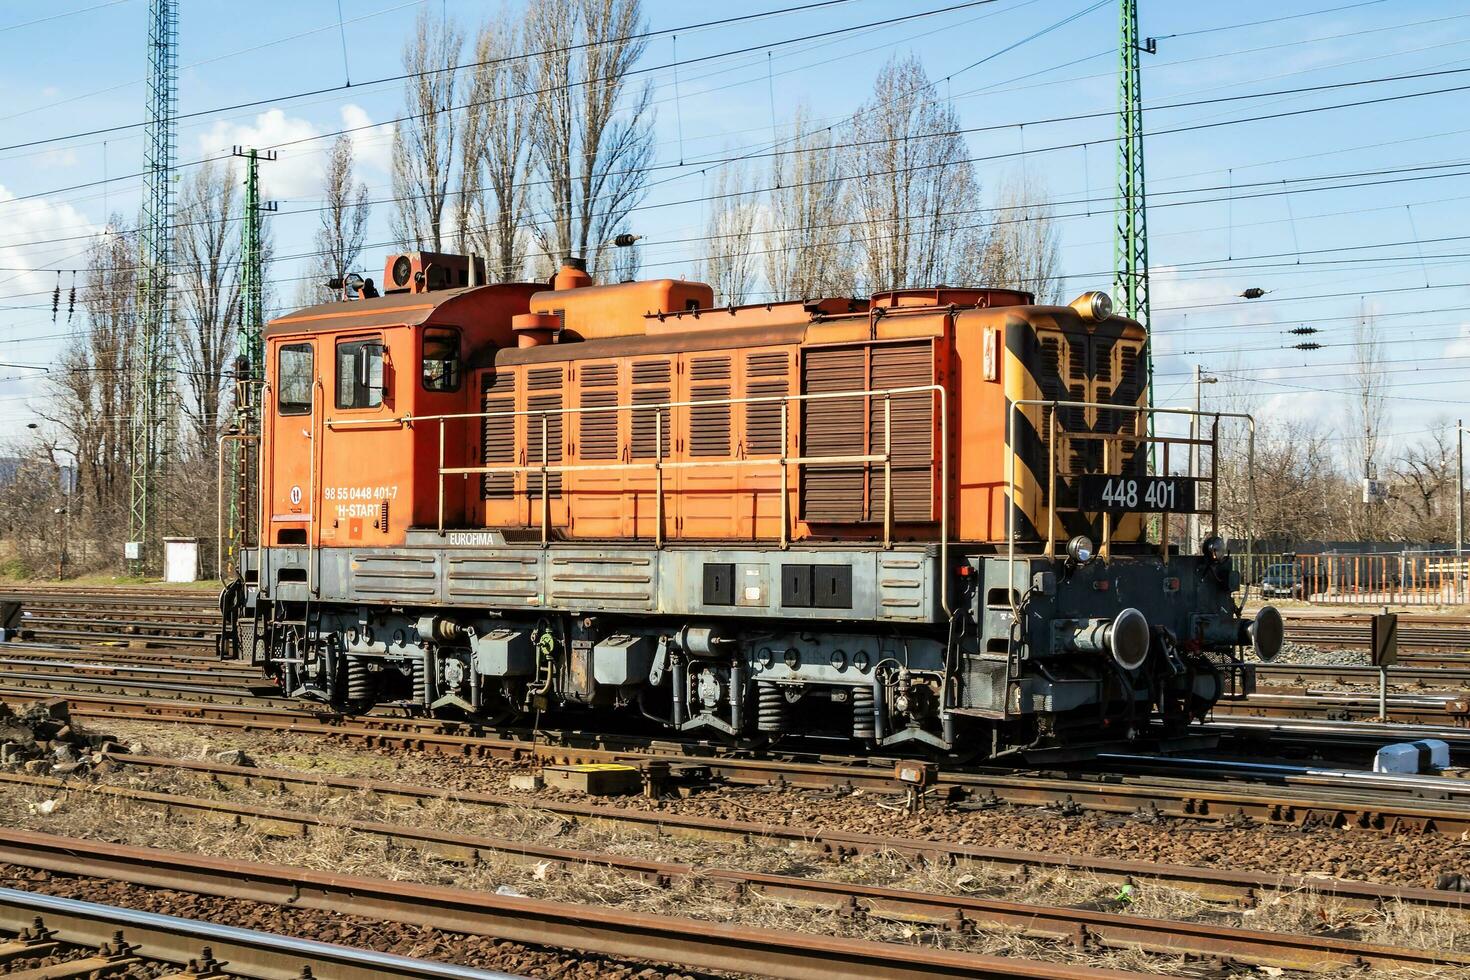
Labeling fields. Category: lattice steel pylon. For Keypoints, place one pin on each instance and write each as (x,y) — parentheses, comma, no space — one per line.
(153,403)
(1130,238)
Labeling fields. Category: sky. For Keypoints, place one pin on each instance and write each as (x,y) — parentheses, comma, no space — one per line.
(1346,199)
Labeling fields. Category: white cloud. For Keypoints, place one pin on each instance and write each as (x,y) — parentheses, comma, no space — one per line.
(22,265)
(1460,346)
(297,172)
(373,147)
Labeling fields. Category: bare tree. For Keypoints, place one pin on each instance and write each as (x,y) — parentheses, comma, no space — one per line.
(209,296)
(593,137)
(493,202)
(729,265)
(1022,245)
(344,217)
(92,394)
(803,238)
(424,142)
(910,183)
(1425,485)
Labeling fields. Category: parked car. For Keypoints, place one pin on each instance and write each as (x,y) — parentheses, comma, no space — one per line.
(1282,580)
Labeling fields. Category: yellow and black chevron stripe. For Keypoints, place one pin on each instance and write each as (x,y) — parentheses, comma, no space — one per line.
(1101,364)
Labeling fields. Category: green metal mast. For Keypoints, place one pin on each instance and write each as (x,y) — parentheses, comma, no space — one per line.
(252,292)
(250,358)
(1130,239)
(152,417)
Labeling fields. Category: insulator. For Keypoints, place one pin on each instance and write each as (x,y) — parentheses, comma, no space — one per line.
(1255,292)
(1307,346)
(770,708)
(862,713)
(359,681)
(1302,331)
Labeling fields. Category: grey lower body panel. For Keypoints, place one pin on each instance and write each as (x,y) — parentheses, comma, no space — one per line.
(896,585)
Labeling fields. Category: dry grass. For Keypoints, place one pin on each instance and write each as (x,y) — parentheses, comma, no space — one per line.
(342,850)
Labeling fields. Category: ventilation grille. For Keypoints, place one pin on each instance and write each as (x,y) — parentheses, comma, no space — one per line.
(651,380)
(549,382)
(498,434)
(767,376)
(598,431)
(912,432)
(833,427)
(709,425)
(855,426)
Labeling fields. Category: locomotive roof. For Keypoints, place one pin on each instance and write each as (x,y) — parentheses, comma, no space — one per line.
(394,309)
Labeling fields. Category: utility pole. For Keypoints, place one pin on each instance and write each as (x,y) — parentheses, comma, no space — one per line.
(1200,379)
(250,360)
(1460,509)
(1130,239)
(152,418)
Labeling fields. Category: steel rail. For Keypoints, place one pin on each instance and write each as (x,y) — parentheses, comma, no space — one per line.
(1418,710)
(962,913)
(247,952)
(1203,800)
(583,928)
(1219,884)
(241,677)
(1279,674)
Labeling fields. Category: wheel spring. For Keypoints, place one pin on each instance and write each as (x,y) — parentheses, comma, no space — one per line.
(862,713)
(770,708)
(359,680)
(421,682)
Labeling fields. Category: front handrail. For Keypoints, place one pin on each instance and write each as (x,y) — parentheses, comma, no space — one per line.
(658,463)
(1108,437)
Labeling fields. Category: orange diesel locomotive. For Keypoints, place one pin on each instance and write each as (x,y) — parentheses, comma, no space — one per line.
(917,517)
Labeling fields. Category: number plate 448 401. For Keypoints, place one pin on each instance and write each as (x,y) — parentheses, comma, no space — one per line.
(1136,494)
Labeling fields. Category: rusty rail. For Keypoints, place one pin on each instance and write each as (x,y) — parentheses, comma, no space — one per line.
(170,939)
(689,943)
(1203,800)
(959,912)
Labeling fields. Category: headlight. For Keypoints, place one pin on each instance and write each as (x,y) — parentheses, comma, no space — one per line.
(1079,550)
(1094,305)
(1213,548)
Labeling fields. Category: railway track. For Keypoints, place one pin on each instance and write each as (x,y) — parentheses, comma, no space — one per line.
(1203,800)
(684,942)
(1212,884)
(924,909)
(178,619)
(91,939)
(1416,631)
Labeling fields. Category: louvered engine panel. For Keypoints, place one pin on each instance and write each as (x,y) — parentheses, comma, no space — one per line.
(651,386)
(544,394)
(833,427)
(498,433)
(709,425)
(766,376)
(903,366)
(597,432)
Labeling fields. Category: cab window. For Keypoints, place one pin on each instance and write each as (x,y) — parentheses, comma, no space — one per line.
(441,359)
(294,380)
(360,373)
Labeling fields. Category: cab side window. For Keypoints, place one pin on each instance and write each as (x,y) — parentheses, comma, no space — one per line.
(441,359)
(294,379)
(360,373)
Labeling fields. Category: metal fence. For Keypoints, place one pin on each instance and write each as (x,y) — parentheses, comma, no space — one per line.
(1428,578)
